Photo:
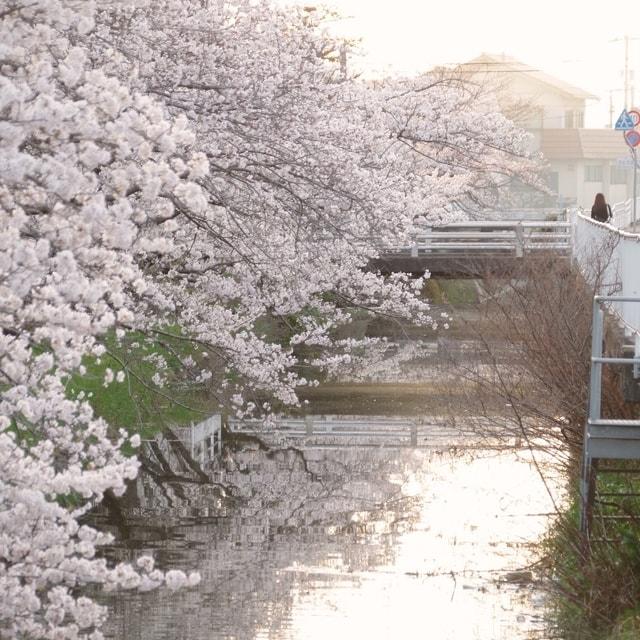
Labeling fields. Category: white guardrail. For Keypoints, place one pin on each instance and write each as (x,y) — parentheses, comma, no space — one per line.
(623,214)
(506,237)
(608,250)
(377,428)
(331,430)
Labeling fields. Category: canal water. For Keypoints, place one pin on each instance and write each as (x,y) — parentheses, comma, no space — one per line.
(343,542)
(305,540)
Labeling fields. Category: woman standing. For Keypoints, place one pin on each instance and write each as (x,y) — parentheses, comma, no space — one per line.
(601,211)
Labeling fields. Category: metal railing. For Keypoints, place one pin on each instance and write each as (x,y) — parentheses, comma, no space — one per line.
(400,430)
(362,431)
(623,215)
(507,237)
(609,438)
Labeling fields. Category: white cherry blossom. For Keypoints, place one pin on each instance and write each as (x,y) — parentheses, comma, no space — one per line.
(201,164)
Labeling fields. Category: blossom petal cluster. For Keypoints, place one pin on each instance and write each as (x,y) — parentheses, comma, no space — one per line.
(205,164)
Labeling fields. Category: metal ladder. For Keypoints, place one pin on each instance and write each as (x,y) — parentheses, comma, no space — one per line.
(605,438)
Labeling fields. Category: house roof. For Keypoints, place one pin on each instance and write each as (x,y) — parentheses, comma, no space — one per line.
(594,144)
(490,63)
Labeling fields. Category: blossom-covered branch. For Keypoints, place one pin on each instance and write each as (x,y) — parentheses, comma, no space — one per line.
(194,164)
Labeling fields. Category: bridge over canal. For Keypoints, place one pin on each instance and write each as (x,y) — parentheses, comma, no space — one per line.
(475,248)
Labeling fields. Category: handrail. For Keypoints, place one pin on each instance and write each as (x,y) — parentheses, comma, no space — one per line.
(488,237)
(611,438)
(622,249)
(623,214)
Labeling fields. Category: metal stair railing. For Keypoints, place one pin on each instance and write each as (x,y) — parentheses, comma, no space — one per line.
(604,438)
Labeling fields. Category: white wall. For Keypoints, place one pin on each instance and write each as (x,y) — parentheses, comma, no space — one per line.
(567,178)
(553,103)
(596,243)
(572,183)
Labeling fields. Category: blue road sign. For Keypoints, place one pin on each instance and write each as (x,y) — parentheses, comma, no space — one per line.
(624,122)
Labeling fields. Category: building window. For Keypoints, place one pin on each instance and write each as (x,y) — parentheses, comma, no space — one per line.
(593,173)
(573,119)
(618,175)
(568,119)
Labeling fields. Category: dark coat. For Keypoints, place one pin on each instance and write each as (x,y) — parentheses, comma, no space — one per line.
(602,213)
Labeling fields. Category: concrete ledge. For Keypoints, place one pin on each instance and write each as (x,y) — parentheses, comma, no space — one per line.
(456,265)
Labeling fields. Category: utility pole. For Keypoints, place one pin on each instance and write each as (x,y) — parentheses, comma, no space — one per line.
(626,72)
(611,109)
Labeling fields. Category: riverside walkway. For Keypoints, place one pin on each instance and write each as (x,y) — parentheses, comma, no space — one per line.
(611,253)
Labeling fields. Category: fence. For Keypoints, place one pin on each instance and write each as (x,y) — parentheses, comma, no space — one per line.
(602,249)
(376,431)
(623,214)
(489,237)
(203,440)
(611,438)
(372,430)
(206,439)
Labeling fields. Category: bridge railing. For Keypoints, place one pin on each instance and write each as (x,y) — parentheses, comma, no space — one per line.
(340,430)
(484,237)
(609,438)
(329,425)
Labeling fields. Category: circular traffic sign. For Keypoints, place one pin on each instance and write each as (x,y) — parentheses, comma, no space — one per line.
(632,138)
(634,114)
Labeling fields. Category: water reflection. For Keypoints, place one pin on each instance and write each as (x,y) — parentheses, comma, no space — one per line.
(344,543)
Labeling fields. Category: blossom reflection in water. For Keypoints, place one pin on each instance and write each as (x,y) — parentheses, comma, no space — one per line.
(375,544)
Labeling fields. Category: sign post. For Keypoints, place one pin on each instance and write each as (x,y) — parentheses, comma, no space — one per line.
(628,123)
(634,153)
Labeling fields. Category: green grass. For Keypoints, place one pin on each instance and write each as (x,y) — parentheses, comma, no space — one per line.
(459,291)
(597,594)
(137,404)
(450,291)
(628,627)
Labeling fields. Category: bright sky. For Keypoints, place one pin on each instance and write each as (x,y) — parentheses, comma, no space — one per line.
(570,39)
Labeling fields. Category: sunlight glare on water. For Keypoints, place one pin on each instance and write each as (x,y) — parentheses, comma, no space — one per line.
(420,547)
(477,520)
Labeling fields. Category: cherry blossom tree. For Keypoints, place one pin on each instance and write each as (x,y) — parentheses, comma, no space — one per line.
(309,171)
(203,164)
(67,274)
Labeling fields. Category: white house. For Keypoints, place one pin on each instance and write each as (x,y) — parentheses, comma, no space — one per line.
(581,162)
(584,162)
